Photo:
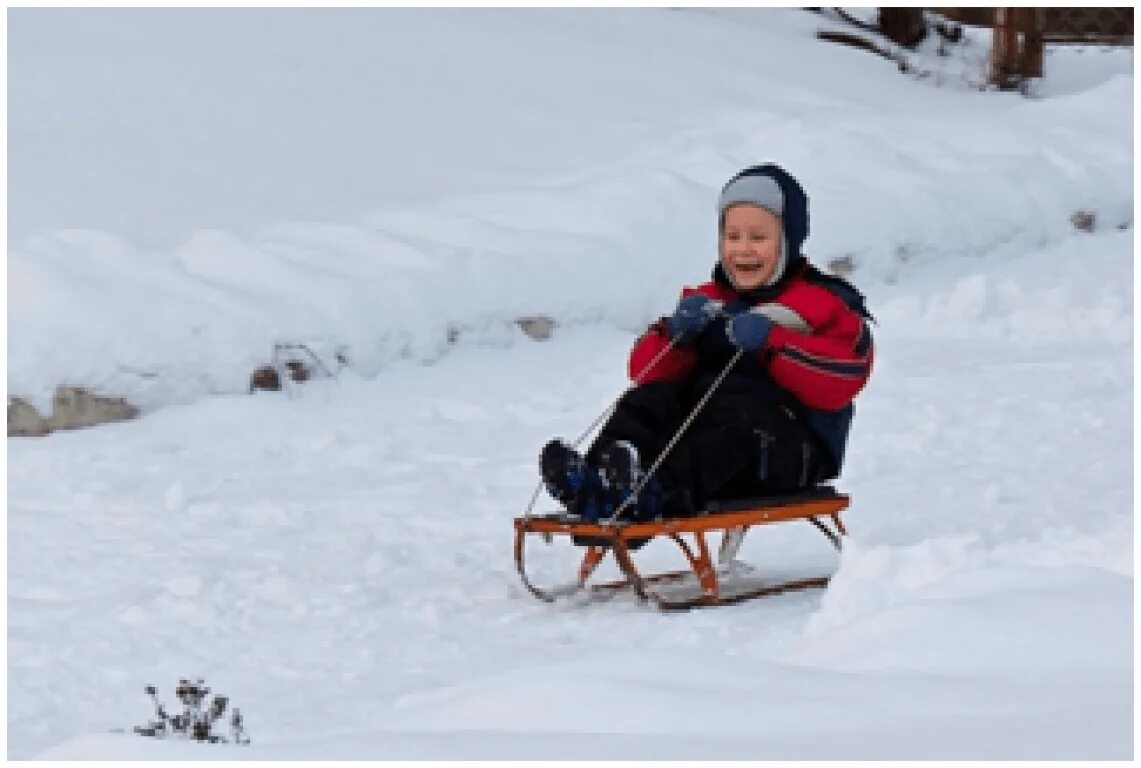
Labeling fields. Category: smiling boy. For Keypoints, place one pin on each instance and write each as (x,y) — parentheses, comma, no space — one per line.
(778,420)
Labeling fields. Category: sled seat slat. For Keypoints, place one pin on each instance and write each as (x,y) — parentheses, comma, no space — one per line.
(756,502)
(773,511)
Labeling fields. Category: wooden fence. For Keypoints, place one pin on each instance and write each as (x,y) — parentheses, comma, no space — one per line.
(1021,33)
(1113,26)
(1105,26)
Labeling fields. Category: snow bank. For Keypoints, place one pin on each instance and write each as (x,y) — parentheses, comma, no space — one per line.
(607,234)
(1059,293)
(874,581)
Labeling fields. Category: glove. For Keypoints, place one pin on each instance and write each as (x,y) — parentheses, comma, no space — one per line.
(748,330)
(693,313)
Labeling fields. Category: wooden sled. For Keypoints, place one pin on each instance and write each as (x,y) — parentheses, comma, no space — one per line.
(733,519)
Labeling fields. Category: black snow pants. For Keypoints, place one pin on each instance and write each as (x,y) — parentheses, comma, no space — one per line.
(737,447)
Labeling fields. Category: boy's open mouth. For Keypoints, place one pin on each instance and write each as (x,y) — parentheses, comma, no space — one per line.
(748,267)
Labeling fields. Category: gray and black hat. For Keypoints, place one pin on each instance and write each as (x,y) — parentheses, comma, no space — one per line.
(772,188)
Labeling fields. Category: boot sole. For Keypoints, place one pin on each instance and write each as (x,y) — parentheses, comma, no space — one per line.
(554,463)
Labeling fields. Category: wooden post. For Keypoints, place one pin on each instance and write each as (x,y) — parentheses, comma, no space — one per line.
(1035,24)
(1016,50)
(905,26)
(1002,46)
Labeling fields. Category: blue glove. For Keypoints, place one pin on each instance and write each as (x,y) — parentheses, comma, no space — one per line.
(748,330)
(693,313)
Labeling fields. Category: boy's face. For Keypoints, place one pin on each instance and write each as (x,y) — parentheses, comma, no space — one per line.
(750,245)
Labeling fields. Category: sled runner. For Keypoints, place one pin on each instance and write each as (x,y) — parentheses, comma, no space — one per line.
(714,584)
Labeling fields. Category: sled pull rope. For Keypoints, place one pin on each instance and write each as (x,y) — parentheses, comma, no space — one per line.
(673,440)
(637,380)
(718,311)
(605,415)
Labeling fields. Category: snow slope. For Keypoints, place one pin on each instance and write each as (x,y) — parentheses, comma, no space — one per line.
(336,558)
(609,214)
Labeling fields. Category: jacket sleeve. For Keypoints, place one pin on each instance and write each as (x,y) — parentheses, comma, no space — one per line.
(674,365)
(825,369)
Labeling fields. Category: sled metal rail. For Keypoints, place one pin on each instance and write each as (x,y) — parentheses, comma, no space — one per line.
(734,520)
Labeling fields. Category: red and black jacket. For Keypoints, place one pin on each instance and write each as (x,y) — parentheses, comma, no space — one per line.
(816,359)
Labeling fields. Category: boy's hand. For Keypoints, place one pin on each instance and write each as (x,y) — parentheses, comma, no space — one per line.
(693,313)
(748,330)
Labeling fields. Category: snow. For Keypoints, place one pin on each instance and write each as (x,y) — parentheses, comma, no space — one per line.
(336,557)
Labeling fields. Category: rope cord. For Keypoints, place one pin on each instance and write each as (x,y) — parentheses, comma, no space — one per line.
(673,441)
(718,309)
(637,380)
(603,417)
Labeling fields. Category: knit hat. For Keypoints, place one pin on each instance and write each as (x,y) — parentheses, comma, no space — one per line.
(772,188)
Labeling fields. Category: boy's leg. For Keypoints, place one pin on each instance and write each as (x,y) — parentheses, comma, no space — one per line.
(647,417)
(744,447)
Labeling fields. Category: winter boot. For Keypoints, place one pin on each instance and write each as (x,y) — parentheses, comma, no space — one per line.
(572,482)
(622,471)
